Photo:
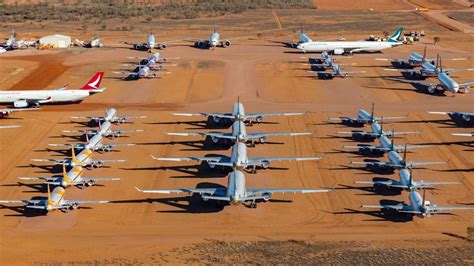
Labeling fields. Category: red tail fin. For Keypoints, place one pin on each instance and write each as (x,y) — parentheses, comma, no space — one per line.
(94,82)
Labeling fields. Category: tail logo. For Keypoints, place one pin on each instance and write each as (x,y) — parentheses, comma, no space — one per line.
(94,82)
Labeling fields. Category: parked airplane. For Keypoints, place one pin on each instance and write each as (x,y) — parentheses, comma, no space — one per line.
(110,116)
(83,159)
(465,116)
(55,201)
(94,144)
(416,60)
(343,47)
(406,182)
(325,61)
(236,191)
(25,98)
(213,41)
(445,82)
(238,114)
(143,72)
(377,132)
(386,145)
(239,134)
(150,44)
(6,112)
(363,117)
(14,126)
(396,162)
(419,206)
(336,72)
(105,130)
(71,178)
(463,134)
(12,43)
(238,159)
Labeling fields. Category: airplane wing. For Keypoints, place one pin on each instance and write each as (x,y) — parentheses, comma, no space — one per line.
(392,60)
(388,164)
(264,135)
(398,207)
(46,179)
(210,134)
(34,202)
(352,72)
(81,131)
(132,117)
(229,116)
(9,126)
(436,208)
(127,130)
(453,70)
(100,179)
(76,145)
(88,117)
(403,70)
(446,59)
(365,147)
(9,110)
(55,161)
(110,161)
(261,160)
(425,163)
(252,192)
(421,82)
(463,134)
(271,114)
(386,183)
(318,65)
(67,203)
(187,159)
(343,119)
(209,191)
(466,83)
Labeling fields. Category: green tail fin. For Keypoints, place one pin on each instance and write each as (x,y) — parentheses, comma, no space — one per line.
(396,35)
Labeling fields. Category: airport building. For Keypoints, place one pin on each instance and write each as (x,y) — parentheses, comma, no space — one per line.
(56,41)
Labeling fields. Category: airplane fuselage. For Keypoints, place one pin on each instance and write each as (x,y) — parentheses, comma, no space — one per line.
(340,47)
(46,95)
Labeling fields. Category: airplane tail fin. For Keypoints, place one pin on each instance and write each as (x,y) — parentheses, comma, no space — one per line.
(396,35)
(94,82)
(50,200)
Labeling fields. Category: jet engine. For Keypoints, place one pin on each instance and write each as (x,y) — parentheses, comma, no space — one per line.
(215,140)
(162,46)
(216,119)
(259,119)
(267,196)
(466,117)
(338,51)
(265,164)
(226,43)
(20,104)
(199,44)
(431,89)
(262,139)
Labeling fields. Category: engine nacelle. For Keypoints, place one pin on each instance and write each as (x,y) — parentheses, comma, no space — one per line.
(74,206)
(226,43)
(211,165)
(216,119)
(259,119)
(466,88)
(20,104)
(338,51)
(466,117)
(431,89)
(97,164)
(163,46)
(265,164)
(215,140)
(263,139)
(267,196)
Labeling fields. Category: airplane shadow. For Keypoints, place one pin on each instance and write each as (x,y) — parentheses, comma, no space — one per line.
(22,211)
(373,190)
(381,215)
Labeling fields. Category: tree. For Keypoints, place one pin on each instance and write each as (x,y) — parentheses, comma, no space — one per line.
(436,40)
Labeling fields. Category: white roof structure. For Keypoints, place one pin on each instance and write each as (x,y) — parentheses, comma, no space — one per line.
(56,41)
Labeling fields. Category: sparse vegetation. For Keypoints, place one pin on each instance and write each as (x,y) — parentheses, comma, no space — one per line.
(436,40)
(470,233)
(109,10)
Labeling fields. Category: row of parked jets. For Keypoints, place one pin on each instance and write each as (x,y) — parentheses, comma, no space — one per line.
(77,163)
(418,205)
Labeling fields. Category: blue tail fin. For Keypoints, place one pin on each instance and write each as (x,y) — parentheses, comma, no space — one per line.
(396,35)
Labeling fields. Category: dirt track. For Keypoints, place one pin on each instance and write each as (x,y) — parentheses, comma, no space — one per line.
(136,227)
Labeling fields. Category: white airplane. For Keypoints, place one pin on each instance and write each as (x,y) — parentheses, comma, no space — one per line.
(445,82)
(238,114)
(25,98)
(110,116)
(7,111)
(71,178)
(238,159)
(419,206)
(406,182)
(343,47)
(467,117)
(83,159)
(335,72)
(105,130)
(150,44)
(463,134)
(155,57)
(239,134)
(427,69)
(236,191)
(377,132)
(12,43)
(416,59)
(55,201)
(363,117)
(94,144)
(386,145)
(396,162)
(325,61)
(213,41)
(143,72)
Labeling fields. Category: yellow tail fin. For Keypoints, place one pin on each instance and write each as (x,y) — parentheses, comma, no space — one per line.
(50,201)
(73,159)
